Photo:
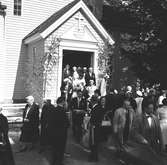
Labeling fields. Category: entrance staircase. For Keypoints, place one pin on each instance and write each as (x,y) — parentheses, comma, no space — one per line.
(13,112)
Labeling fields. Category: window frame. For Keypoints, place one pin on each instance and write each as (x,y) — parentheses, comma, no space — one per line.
(17,7)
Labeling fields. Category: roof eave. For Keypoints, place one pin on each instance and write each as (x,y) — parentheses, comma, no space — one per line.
(64,17)
(98,25)
(33,38)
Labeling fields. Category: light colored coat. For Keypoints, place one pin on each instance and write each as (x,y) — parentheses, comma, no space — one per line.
(119,121)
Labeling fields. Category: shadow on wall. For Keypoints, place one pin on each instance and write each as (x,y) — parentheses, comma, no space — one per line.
(19,93)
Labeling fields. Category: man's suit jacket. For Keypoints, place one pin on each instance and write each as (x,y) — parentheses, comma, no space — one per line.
(82,105)
(141,131)
(58,124)
(32,116)
(46,110)
(97,115)
(30,128)
(89,77)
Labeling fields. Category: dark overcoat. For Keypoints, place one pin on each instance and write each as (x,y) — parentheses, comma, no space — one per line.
(6,156)
(145,153)
(89,77)
(30,128)
(58,124)
(46,110)
(57,133)
(78,117)
(97,115)
(141,130)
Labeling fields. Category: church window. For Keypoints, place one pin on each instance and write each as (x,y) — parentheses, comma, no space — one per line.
(17,7)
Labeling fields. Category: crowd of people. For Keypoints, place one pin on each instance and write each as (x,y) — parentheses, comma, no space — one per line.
(136,118)
(84,79)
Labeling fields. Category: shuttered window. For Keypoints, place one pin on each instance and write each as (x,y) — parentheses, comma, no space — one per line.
(17,7)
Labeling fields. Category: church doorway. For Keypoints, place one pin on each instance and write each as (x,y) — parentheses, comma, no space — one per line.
(77,58)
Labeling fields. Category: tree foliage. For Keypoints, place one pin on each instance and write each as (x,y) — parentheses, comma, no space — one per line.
(143,35)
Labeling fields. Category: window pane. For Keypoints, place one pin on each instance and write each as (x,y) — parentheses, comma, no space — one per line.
(19,12)
(19,7)
(19,3)
(15,12)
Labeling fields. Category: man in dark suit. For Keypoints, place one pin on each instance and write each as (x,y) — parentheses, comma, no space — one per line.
(97,115)
(57,132)
(90,76)
(146,128)
(46,110)
(78,107)
(147,137)
(30,129)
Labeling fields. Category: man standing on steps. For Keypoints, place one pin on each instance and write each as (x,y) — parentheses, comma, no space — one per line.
(58,124)
(90,76)
(78,107)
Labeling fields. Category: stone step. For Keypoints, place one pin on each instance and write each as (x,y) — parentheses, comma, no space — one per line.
(13,112)
(13,105)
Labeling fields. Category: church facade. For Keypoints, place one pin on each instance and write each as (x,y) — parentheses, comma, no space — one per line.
(38,42)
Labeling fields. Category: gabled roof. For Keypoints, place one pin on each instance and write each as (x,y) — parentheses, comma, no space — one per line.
(54,21)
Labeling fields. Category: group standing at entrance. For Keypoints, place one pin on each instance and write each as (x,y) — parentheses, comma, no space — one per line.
(77,78)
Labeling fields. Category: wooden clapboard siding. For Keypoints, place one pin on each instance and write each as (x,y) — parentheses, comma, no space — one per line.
(34,12)
(2,59)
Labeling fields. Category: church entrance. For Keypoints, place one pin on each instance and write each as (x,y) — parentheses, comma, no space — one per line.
(77,58)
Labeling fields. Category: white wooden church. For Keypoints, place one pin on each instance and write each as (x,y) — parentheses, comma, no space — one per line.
(34,32)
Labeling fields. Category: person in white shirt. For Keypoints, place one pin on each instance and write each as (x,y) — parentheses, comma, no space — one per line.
(162,114)
(139,100)
(91,88)
(75,73)
(103,86)
(75,76)
(161,97)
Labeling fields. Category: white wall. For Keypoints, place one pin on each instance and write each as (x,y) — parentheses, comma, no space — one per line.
(34,12)
(2,57)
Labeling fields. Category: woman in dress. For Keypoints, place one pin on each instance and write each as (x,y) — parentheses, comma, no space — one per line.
(162,113)
(6,156)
